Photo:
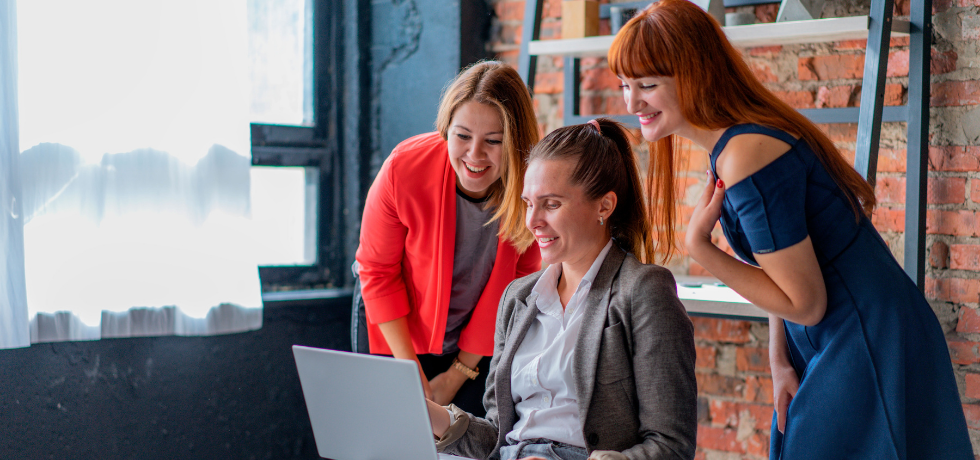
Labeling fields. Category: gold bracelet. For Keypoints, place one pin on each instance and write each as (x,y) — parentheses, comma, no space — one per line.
(469,373)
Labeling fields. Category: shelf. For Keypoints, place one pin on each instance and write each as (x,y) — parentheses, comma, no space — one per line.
(703,296)
(783,33)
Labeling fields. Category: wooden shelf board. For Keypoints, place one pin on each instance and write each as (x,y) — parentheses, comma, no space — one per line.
(780,33)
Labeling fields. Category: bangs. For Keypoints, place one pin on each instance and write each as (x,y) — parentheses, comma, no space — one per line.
(634,51)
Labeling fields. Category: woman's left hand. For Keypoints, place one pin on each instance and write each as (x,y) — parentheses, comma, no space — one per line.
(706,214)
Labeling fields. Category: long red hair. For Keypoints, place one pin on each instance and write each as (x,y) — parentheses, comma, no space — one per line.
(715,90)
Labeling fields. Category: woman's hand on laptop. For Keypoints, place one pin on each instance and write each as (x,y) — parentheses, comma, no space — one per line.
(439,418)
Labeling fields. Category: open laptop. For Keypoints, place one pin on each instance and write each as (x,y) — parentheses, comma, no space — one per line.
(365,407)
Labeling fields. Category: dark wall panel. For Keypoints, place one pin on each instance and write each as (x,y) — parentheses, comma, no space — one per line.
(233,396)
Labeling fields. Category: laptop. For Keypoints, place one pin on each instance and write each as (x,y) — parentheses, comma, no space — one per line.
(365,407)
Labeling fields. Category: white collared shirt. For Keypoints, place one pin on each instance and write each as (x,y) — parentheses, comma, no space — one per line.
(542,380)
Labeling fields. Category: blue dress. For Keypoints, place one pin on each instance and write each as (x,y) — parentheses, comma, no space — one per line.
(876,380)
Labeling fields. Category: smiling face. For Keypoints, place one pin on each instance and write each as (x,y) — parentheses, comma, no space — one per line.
(565,223)
(476,146)
(654,101)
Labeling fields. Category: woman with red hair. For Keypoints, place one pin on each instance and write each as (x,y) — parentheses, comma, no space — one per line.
(859,362)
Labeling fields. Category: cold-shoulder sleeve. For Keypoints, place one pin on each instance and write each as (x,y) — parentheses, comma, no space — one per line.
(770,205)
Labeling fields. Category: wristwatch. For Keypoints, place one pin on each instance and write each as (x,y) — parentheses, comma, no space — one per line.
(469,373)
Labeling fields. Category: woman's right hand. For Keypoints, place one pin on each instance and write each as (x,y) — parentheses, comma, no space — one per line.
(785,383)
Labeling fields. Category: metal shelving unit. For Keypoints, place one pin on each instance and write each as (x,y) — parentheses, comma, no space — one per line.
(878,27)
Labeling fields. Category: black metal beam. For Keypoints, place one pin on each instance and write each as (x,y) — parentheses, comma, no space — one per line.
(873,89)
(917,140)
(570,94)
(527,64)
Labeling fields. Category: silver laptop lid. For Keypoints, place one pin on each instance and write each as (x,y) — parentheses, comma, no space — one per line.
(364,407)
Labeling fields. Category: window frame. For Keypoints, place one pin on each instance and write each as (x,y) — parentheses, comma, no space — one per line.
(316,146)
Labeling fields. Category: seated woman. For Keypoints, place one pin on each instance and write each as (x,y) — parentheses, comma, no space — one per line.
(594,355)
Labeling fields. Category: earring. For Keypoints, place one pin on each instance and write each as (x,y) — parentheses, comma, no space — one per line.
(600,221)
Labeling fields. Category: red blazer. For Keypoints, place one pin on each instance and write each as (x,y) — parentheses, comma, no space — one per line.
(408,234)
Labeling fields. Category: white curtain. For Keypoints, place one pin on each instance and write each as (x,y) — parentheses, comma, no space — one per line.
(13,301)
(134,138)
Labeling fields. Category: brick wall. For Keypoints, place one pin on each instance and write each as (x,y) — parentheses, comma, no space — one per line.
(735,388)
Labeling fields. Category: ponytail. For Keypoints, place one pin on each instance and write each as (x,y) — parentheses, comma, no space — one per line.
(604,162)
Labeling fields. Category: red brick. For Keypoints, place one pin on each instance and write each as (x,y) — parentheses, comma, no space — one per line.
(894,94)
(957,290)
(683,184)
(958,223)
(838,96)
(733,414)
(700,455)
(692,158)
(765,51)
(955,93)
(939,6)
(550,30)
(899,41)
(889,220)
(851,45)
(972,413)
(510,34)
(939,255)
(898,63)
(840,132)
(757,444)
(796,99)
(969,321)
(616,105)
(720,385)
(890,190)
(723,413)
(548,83)
(766,13)
(763,71)
(721,330)
(705,357)
(902,8)
(752,359)
(963,352)
(551,9)
(591,105)
(762,413)
(946,190)
(723,439)
(975,190)
(889,160)
(509,57)
(590,62)
(972,385)
(964,257)
(831,67)
(758,389)
(599,78)
(942,62)
(954,158)
(510,10)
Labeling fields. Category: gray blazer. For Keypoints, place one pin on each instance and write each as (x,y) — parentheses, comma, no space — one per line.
(633,367)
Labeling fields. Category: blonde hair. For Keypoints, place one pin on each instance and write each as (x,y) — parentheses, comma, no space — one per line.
(497,85)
